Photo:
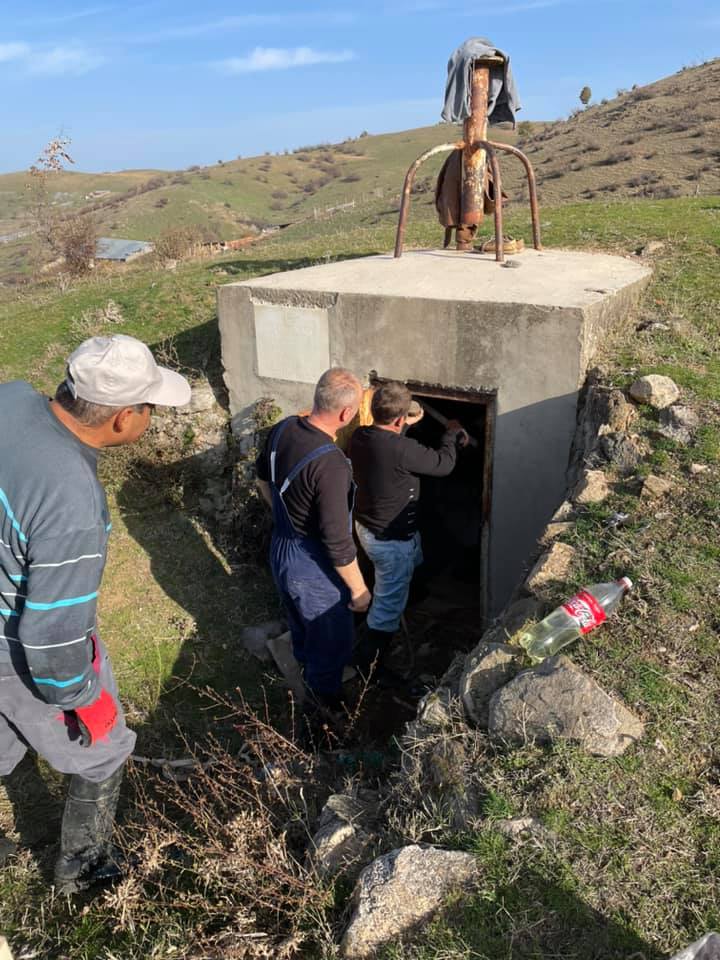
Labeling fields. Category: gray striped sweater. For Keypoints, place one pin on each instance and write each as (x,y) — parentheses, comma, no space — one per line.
(54,528)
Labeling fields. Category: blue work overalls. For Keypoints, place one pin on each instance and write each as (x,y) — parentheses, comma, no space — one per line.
(315,597)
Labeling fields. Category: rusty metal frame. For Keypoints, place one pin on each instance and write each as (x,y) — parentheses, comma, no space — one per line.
(408,185)
(490,147)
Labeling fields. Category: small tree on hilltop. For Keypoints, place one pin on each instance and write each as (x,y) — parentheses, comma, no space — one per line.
(70,236)
(585,96)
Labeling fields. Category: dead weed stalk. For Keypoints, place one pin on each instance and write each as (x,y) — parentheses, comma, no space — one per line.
(224,850)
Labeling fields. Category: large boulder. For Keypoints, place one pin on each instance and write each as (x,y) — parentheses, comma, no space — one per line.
(487,668)
(655,390)
(557,701)
(399,891)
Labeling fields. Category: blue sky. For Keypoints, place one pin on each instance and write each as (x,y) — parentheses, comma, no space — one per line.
(169,83)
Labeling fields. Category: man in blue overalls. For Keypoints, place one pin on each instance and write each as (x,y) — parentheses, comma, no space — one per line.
(307,480)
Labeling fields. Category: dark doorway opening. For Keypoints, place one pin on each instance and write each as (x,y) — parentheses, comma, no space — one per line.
(455,510)
(448,600)
(453,521)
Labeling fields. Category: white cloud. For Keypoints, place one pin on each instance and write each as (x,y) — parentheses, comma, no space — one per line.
(13,51)
(68,17)
(275,58)
(244,21)
(63,61)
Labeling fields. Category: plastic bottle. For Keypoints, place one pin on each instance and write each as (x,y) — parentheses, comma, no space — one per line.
(585,611)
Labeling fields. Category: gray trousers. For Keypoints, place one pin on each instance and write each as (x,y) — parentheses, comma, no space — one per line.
(26,720)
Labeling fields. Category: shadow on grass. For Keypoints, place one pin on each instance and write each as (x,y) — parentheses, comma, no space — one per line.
(37,823)
(530,916)
(193,570)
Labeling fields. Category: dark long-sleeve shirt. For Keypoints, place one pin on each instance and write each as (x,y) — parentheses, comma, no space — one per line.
(54,528)
(387,467)
(318,498)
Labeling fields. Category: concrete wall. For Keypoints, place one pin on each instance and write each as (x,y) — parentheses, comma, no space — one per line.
(533,355)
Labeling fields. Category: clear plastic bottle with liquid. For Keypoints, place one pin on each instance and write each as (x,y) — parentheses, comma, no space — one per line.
(578,616)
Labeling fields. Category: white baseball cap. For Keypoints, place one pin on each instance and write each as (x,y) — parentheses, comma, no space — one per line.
(119,371)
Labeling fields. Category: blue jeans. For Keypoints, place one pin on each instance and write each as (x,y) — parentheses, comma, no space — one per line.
(394,562)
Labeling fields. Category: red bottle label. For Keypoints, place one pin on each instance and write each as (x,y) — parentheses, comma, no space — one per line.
(586,611)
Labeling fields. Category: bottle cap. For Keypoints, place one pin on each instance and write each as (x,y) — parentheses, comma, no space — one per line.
(627,583)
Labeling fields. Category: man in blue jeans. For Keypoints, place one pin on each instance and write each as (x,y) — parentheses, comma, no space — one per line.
(387,467)
(308,482)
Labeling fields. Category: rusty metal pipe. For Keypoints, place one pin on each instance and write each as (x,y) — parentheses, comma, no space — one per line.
(473,167)
(408,185)
(532,188)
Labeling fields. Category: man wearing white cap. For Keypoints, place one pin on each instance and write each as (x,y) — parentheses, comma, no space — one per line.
(57,690)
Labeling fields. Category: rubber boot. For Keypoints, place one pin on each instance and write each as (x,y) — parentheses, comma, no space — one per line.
(369,658)
(87,824)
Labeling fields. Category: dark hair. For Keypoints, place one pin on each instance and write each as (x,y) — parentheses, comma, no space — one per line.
(336,388)
(86,413)
(390,401)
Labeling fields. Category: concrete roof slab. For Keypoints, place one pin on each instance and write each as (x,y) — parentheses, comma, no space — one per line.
(546,278)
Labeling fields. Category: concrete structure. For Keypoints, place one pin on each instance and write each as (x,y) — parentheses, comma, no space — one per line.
(518,340)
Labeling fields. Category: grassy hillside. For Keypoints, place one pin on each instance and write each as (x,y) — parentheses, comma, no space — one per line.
(632,864)
(656,141)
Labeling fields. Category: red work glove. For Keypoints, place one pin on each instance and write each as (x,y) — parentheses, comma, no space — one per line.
(97,719)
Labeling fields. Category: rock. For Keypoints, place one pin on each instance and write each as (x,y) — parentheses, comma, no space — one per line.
(678,423)
(450,765)
(556,529)
(519,827)
(451,677)
(656,390)
(553,565)
(696,469)
(619,414)
(341,839)
(7,849)
(655,487)
(557,701)
(593,487)
(519,612)
(399,891)
(564,512)
(707,948)
(202,397)
(624,451)
(487,668)
(436,708)
(651,248)
(254,639)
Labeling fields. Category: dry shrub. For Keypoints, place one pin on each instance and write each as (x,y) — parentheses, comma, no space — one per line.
(93,323)
(174,243)
(222,853)
(619,156)
(75,239)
